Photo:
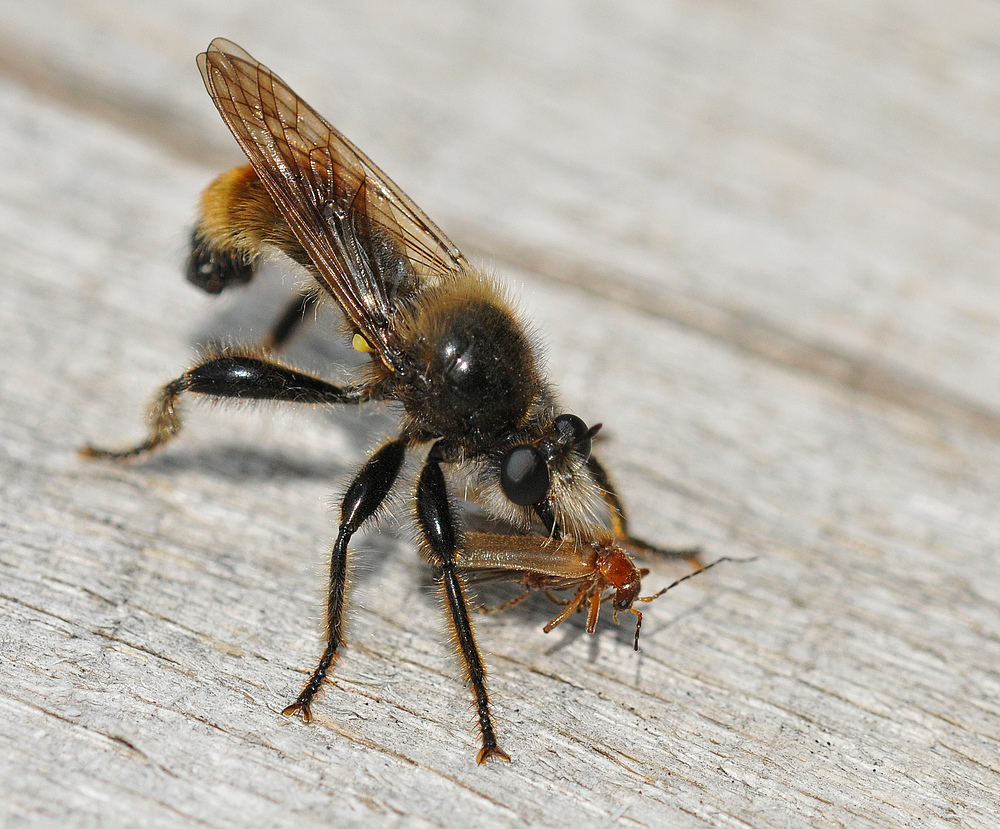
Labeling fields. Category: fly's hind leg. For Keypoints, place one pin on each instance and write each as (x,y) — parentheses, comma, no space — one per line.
(230,374)
(241,375)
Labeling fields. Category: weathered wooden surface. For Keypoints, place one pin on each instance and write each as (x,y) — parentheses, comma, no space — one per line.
(762,243)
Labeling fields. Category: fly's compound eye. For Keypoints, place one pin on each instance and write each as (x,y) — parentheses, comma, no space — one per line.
(524,476)
(571,429)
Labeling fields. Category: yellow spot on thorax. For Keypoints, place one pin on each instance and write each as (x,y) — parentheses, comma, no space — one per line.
(361,344)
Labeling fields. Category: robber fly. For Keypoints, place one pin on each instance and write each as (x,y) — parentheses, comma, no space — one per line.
(442,341)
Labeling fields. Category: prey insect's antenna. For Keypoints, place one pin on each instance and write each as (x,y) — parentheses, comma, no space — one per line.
(672,585)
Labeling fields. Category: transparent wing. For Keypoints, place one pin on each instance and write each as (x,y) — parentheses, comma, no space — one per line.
(364,235)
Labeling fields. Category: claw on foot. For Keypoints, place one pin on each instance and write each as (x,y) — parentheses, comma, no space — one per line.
(299,708)
(491,752)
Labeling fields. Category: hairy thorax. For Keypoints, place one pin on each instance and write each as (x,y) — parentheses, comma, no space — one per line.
(471,368)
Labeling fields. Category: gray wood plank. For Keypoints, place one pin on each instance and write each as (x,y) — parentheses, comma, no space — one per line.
(825,177)
(156,618)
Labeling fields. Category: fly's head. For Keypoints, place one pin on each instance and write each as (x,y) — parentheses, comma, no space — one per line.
(544,474)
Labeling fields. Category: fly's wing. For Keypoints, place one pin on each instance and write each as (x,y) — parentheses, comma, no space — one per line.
(364,235)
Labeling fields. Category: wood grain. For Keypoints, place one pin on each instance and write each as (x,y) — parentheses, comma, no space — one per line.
(761,243)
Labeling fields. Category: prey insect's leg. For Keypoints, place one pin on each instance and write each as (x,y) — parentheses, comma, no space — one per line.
(237,375)
(364,497)
(491,609)
(572,606)
(441,537)
(619,520)
(288,323)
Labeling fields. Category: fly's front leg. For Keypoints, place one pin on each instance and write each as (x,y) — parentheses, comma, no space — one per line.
(440,535)
(619,520)
(232,374)
(365,495)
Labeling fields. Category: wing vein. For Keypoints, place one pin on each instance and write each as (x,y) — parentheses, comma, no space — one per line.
(351,219)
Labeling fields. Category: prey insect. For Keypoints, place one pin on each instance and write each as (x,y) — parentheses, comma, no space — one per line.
(443,343)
